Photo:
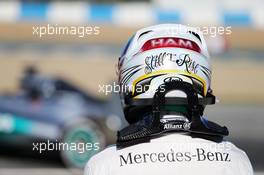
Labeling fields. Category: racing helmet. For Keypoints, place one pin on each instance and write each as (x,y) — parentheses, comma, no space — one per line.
(159,54)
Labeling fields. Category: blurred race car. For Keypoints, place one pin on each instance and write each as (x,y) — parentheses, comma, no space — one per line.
(52,115)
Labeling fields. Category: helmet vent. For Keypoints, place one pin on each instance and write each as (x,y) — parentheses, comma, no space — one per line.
(196,35)
(144,33)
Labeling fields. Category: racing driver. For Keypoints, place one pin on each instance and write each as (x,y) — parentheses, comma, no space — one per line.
(166,72)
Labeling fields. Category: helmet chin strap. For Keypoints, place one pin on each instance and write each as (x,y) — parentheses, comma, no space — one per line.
(157,124)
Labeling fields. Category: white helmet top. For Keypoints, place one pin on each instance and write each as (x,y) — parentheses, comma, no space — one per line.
(162,53)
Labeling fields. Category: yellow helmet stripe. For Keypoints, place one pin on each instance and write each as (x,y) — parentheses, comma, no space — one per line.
(168,72)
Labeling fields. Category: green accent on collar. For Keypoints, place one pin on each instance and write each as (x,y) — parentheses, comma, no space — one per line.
(176,108)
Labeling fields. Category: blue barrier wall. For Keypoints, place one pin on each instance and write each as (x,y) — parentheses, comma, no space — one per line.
(122,14)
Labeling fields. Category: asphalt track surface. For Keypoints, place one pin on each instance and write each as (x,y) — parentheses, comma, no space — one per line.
(245,123)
